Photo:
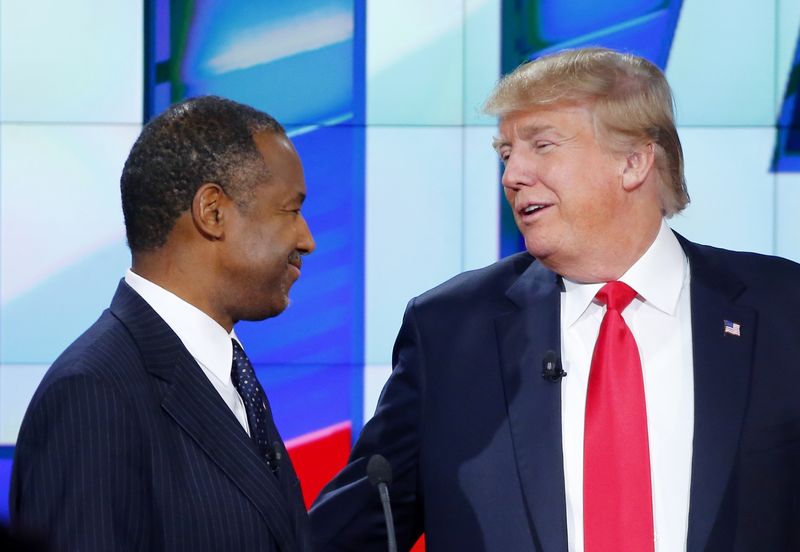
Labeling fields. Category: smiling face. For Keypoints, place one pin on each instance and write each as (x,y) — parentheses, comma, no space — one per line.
(264,239)
(565,188)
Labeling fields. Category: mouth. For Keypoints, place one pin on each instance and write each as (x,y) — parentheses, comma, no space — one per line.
(531,210)
(296,261)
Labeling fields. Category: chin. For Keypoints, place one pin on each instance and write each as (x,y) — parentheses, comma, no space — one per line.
(268,311)
(538,250)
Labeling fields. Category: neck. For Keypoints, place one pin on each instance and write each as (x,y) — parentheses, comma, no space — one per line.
(611,259)
(185,279)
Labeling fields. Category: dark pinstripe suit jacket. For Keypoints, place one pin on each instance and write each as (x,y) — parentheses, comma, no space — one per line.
(126,445)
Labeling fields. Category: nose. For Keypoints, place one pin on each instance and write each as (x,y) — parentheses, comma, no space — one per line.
(517,172)
(305,241)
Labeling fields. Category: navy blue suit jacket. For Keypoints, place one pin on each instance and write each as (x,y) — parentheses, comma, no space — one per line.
(126,445)
(473,431)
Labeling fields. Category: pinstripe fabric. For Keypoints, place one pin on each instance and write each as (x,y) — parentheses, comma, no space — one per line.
(126,445)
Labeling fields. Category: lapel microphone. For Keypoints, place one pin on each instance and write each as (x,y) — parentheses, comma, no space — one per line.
(551,367)
(379,473)
(274,457)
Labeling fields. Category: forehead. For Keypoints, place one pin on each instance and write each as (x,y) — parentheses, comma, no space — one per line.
(563,119)
(280,158)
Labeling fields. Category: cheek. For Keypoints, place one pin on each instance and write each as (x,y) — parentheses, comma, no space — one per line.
(260,254)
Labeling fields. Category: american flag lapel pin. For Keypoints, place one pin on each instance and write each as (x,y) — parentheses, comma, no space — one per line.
(732,328)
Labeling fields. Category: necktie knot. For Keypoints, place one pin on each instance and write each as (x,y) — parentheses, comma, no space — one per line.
(616,295)
(241,367)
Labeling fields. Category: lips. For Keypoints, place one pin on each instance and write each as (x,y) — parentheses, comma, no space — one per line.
(296,260)
(531,208)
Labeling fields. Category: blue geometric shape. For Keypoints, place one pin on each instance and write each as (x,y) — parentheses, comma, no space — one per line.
(305,398)
(306,96)
(300,61)
(648,36)
(6,457)
(787,144)
(562,21)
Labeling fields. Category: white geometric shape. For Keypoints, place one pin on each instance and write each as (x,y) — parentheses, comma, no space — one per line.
(18,382)
(732,190)
(76,61)
(414,223)
(375,377)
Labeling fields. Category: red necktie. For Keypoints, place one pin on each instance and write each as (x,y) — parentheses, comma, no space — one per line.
(617,499)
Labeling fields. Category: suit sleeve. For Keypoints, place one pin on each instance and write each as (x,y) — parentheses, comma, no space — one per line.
(348,515)
(78,479)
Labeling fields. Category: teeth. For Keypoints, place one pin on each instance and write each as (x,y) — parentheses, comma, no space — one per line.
(531,208)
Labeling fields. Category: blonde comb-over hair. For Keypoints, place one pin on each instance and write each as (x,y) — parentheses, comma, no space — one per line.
(629,97)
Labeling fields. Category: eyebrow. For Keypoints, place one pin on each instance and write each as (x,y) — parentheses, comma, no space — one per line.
(299,197)
(525,133)
(498,143)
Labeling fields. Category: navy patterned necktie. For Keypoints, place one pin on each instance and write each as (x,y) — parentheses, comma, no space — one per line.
(259,416)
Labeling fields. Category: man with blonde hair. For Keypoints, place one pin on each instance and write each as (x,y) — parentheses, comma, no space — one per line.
(616,387)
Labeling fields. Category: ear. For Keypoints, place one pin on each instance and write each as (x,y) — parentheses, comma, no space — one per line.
(208,208)
(638,165)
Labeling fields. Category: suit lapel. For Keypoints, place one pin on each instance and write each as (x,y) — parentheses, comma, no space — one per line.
(721,378)
(534,404)
(198,409)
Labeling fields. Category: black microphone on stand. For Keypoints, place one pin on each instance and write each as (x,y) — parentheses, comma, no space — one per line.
(551,367)
(379,473)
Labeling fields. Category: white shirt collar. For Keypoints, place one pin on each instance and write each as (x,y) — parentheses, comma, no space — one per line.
(657,277)
(204,338)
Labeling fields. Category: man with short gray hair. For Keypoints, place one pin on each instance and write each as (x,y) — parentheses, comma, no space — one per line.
(616,387)
(151,430)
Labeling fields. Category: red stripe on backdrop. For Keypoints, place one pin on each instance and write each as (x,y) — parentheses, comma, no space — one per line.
(318,456)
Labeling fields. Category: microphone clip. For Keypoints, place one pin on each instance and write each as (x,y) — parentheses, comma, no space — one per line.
(552,370)
(274,458)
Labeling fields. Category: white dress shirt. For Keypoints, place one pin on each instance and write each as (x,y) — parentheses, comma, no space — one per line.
(206,341)
(660,320)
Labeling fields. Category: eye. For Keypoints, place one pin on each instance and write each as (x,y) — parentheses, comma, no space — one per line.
(543,145)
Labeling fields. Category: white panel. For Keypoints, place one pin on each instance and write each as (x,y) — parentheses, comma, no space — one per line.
(722,63)
(727,172)
(481,232)
(17,385)
(481,57)
(413,223)
(788,222)
(415,62)
(74,61)
(60,198)
(375,377)
(62,244)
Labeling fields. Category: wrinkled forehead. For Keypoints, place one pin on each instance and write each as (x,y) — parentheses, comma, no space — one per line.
(562,117)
